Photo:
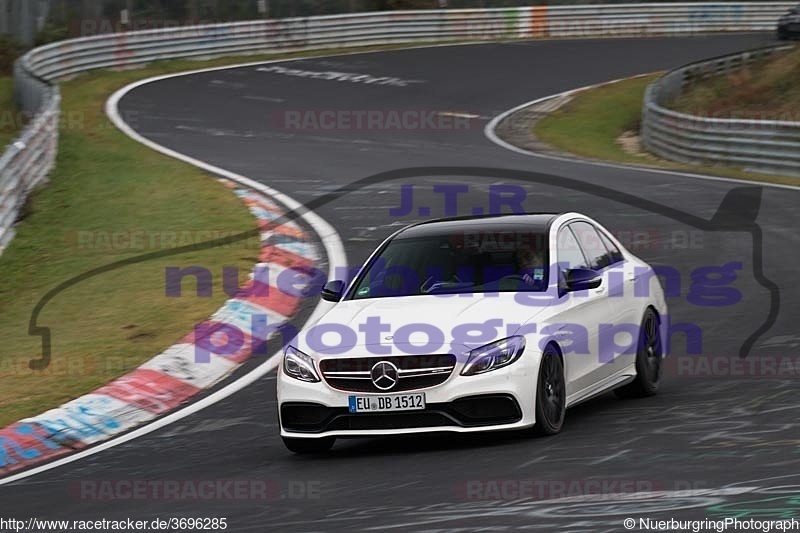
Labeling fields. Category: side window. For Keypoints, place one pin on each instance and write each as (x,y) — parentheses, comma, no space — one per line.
(596,252)
(615,256)
(569,251)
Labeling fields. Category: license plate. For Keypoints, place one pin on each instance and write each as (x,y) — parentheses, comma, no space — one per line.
(383,404)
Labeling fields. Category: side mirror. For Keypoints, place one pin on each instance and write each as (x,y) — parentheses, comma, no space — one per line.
(581,279)
(333,291)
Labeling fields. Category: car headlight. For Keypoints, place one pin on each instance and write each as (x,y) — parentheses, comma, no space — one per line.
(299,365)
(493,356)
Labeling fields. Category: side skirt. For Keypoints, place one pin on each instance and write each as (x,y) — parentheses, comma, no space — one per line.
(617,380)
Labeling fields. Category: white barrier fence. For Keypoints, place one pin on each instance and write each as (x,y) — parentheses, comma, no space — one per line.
(31,158)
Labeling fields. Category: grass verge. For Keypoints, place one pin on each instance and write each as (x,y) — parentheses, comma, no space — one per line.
(9,118)
(591,124)
(763,91)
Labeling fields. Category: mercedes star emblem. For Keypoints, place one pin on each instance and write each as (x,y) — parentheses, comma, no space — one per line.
(384,375)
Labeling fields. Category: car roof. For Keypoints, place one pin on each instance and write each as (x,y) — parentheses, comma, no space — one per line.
(530,223)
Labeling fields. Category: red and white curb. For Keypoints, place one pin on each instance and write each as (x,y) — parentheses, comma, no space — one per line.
(173,377)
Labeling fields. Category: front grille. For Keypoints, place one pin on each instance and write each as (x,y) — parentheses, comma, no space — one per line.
(391,421)
(414,372)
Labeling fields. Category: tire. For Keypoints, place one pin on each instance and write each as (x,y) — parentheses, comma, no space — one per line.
(309,446)
(551,394)
(649,360)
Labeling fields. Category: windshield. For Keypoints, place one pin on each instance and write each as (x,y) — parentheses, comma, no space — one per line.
(466,262)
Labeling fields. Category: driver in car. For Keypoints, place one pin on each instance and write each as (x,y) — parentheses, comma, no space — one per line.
(530,265)
(530,271)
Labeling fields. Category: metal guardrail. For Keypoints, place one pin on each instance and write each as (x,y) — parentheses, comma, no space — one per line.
(769,146)
(28,161)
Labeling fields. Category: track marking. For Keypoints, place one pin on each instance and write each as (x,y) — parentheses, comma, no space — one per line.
(456,114)
(265,99)
(533,461)
(609,457)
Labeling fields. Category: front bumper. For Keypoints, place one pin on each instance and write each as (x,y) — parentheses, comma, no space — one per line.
(502,399)
(468,412)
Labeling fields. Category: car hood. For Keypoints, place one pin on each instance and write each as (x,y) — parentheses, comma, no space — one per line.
(405,322)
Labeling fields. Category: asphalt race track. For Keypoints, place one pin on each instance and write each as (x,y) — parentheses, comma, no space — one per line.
(709,446)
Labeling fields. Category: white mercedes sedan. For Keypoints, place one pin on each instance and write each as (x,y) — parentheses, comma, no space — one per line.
(475,324)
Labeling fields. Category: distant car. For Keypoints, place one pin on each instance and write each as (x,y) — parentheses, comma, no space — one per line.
(789,24)
(475,324)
